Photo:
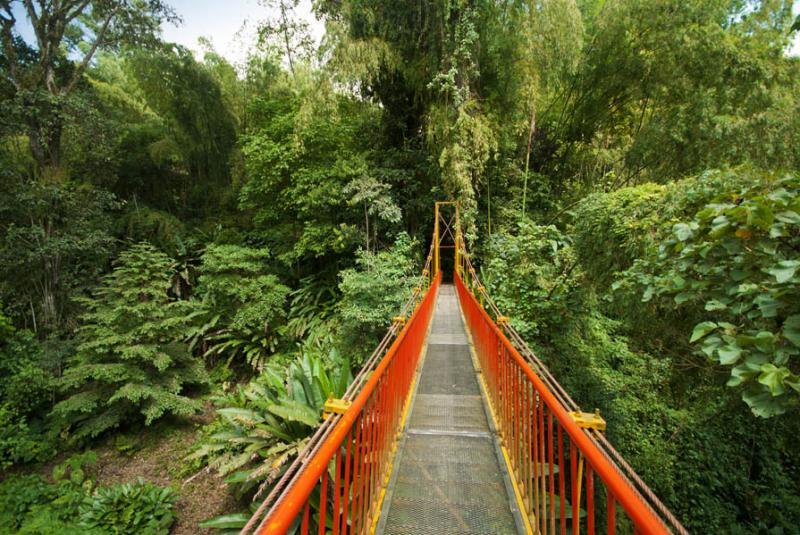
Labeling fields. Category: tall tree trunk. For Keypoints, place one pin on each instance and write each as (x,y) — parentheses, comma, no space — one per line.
(45,126)
(285,21)
(528,155)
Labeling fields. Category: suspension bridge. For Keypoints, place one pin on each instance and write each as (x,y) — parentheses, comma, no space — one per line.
(454,426)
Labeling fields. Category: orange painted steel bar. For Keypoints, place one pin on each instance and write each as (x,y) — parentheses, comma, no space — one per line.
(546,446)
(340,486)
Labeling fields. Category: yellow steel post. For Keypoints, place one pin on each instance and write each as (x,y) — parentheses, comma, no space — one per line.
(436,241)
(459,238)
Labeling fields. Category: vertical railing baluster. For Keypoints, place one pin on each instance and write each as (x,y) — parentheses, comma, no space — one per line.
(574,479)
(346,494)
(561,481)
(306,514)
(589,499)
(551,469)
(323,502)
(612,514)
(337,484)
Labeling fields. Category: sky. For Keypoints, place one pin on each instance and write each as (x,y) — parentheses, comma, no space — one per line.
(230,24)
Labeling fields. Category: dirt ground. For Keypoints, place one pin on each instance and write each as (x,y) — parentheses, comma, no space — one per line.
(158,457)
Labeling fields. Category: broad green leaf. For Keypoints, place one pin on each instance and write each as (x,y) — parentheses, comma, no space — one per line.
(682,231)
(768,306)
(772,377)
(710,344)
(788,216)
(765,341)
(241,415)
(729,354)
(702,329)
(295,412)
(238,520)
(760,215)
(784,270)
(793,381)
(743,373)
(791,329)
(715,304)
(762,403)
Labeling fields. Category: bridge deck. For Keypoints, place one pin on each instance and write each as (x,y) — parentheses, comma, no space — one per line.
(448,477)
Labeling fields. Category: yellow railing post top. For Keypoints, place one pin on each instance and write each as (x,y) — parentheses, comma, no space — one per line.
(589,420)
(399,319)
(335,406)
(503,320)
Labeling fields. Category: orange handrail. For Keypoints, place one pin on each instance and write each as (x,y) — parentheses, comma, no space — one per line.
(353,462)
(522,404)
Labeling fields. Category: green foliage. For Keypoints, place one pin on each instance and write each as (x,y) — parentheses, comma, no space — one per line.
(162,229)
(613,229)
(130,508)
(18,495)
(54,243)
(21,441)
(736,258)
(261,426)
(529,274)
(669,88)
(311,311)
(244,302)
(25,387)
(310,179)
(372,293)
(30,505)
(229,523)
(131,359)
(201,128)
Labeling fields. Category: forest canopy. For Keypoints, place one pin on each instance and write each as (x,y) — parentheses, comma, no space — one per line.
(193,249)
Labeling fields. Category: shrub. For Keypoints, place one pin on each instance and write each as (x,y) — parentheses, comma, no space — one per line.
(372,293)
(18,495)
(28,504)
(130,508)
(261,426)
(131,360)
(245,304)
(736,259)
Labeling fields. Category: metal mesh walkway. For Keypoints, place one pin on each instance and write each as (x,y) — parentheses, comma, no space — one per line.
(447,478)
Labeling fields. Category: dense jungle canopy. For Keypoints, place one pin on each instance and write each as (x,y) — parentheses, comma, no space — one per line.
(184,240)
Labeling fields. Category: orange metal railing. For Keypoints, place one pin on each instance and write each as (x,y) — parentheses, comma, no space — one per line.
(562,464)
(336,485)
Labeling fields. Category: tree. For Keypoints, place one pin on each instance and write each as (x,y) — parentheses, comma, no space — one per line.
(244,302)
(132,360)
(372,293)
(375,197)
(200,129)
(286,32)
(55,241)
(306,146)
(43,77)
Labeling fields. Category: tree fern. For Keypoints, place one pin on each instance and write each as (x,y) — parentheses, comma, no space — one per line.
(131,362)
